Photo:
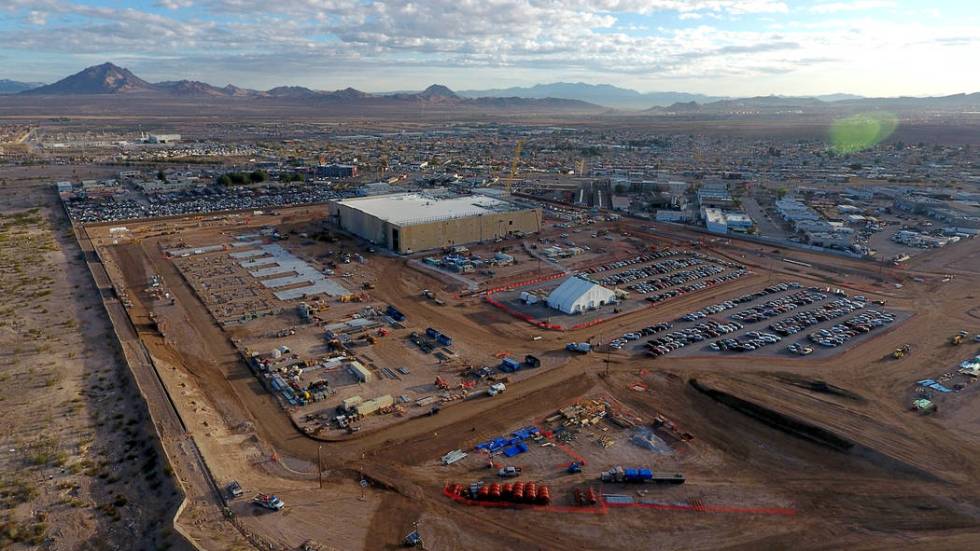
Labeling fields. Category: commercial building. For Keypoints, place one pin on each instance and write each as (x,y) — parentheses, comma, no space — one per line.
(719,221)
(714,195)
(577,294)
(336,171)
(163,138)
(677,216)
(408,222)
(714,220)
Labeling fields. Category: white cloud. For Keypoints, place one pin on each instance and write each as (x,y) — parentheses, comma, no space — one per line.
(858,5)
(175,4)
(37,18)
(335,39)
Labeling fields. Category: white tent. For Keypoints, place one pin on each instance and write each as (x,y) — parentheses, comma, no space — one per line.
(577,294)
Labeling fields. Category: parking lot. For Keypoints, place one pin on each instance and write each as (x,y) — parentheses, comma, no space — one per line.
(641,281)
(784,318)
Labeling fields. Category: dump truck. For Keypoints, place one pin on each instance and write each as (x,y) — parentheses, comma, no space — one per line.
(579,347)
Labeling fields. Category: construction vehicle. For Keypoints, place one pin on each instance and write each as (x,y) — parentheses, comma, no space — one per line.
(235,489)
(496,389)
(532,361)
(900,353)
(579,347)
(509,472)
(956,339)
(414,539)
(640,476)
(509,365)
(574,467)
(441,383)
(367,285)
(268,501)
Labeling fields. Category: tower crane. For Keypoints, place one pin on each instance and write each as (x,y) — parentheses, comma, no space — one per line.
(508,181)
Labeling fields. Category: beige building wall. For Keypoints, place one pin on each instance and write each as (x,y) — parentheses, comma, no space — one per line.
(459,231)
(437,234)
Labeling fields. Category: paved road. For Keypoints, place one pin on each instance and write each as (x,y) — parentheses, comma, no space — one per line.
(766,226)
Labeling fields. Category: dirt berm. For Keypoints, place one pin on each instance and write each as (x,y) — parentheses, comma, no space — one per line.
(808,431)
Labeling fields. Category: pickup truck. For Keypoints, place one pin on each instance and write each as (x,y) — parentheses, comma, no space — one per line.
(579,347)
(269,502)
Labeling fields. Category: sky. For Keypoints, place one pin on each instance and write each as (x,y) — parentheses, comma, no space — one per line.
(715,47)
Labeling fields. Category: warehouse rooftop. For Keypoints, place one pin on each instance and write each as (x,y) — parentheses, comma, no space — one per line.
(406,208)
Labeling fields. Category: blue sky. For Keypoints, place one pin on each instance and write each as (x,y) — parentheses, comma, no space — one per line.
(720,47)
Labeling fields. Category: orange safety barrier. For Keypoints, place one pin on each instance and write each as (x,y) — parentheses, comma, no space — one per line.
(603,506)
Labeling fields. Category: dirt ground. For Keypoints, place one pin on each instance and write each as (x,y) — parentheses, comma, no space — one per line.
(80,467)
(829,437)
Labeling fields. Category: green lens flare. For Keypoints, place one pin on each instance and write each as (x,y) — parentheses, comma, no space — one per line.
(859,132)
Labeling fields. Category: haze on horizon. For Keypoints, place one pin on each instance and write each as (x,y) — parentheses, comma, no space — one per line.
(716,47)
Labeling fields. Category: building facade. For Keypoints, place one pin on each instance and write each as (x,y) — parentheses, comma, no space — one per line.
(409,222)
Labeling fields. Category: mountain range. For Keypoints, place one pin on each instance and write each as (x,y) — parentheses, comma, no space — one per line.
(599,94)
(16,87)
(109,79)
(615,97)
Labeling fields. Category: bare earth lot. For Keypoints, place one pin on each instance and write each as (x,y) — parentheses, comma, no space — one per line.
(827,440)
(80,465)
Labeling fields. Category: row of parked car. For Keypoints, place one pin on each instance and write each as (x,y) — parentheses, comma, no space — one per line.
(206,200)
(807,318)
(640,259)
(778,306)
(730,304)
(839,334)
(683,337)
(616,344)
(678,278)
(697,286)
(649,270)
(753,340)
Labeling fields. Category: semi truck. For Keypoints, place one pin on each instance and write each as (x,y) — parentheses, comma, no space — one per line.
(640,476)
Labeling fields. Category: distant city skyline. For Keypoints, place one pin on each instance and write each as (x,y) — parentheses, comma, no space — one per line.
(714,47)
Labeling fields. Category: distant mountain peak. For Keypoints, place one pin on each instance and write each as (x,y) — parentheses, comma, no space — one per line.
(107,78)
(438,90)
(15,87)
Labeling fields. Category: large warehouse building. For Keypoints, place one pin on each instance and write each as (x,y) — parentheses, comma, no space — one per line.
(407,222)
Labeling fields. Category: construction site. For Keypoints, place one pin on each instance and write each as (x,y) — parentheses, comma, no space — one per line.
(511,393)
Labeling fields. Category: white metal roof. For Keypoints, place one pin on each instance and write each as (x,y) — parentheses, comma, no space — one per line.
(576,294)
(404,208)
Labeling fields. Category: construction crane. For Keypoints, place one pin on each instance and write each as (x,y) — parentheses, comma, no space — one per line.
(508,181)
